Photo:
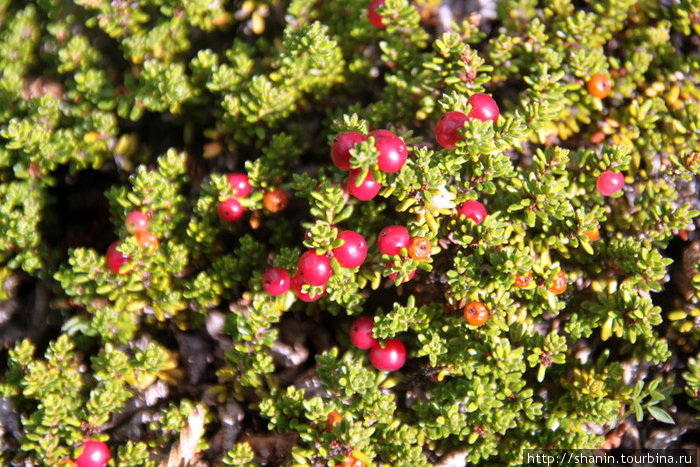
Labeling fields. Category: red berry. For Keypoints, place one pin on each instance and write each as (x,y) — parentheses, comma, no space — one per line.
(374,17)
(361,333)
(240,185)
(315,269)
(610,182)
(342,144)
(136,221)
(392,238)
(297,283)
(476,314)
(95,454)
(367,190)
(473,210)
(483,107)
(230,210)
(392,153)
(391,357)
(394,275)
(276,281)
(353,251)
(599,85)
(116,260)
(381,133)
(447,129)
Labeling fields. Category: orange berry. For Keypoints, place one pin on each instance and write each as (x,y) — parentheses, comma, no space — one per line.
(599,85)
(476,314)
(523,281)
(593,235)
(275,200)
(333,419)
(419,248)
(147,241)
(350,461)
(559,284)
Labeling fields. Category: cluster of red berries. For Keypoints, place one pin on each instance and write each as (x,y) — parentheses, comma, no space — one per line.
(136,223)
(392,157)
(389,357)
(95,454)
(447,130)
(231,210)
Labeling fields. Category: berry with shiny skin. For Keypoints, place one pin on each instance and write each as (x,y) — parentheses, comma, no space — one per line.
(342,144)
(116,260)
(351,461)
(476,313)
(483,107)
(392,238)
(391,357)
(599,85)
(523,281)
(95,454)
(392,153)
(367,190)
(276,200)
(315,269)
(353,251)
(473,210)
(147,241)
(610,182)
(230,210)
(240,185)
(447,129)
(559,284)
(361,333)
(419,249)
(136,221)
(297,283)
(374,17)
(276,281)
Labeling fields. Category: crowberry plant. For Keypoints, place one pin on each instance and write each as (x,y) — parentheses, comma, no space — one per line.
(388,357)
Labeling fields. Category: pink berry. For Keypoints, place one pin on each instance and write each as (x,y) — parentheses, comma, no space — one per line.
(297,283)
(95,454)
(392,153)
(483,107)
(342,144)
(367,190)
(374,17)
(240,185)
(361,333)
(315,269)
(392,238)
(474,210)
(381,133)
(394,275)
(447,129)
(276,281)
(391,357)
(353,251)
(136,221)
(116,260)
(230,210)
(610,182)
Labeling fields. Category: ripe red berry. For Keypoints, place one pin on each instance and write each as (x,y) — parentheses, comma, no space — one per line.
(473,210)
(483,107)
(361,333)
(353,251)
(447,129)
(610,182)
(394,275)
(147,241)
(276,200)
(599,85)
(315,269)
(276,281)
(476,314)
(392,152)
(342,144)
(116,260)
(136,221)
(374,17)
(230,210)
(391,357)
(392,238)
(240,185)
(419,249)
(559,284)
(95,454)
(367,190)
(296,283)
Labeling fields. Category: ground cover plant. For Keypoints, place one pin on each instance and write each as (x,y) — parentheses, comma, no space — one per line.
(346,233)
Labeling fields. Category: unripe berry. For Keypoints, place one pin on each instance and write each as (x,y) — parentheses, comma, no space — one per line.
(230,210)
(599,85)
(147,241)
(476,314)
(275,200)
(342,144)
(136,221)
(419,249)
(559,284)
(473,210)
(240,185)
(390,357)
(333,419)
(276,281)
(610,182)
(95,454)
